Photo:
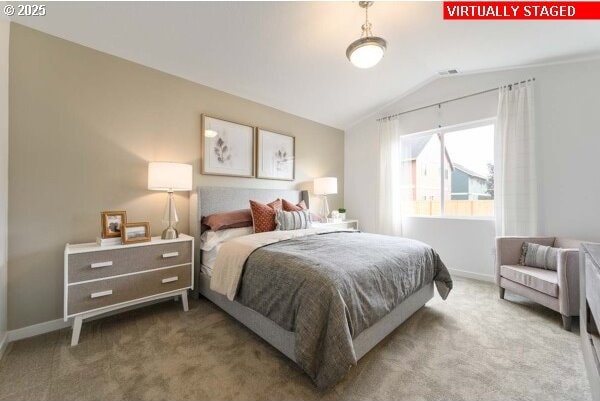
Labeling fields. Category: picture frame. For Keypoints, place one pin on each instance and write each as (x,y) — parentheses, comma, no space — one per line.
(228,148)
(111,222)
(275,155)
(133,233)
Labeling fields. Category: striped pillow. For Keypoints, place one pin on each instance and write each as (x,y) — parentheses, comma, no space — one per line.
(543,257)
(297,220)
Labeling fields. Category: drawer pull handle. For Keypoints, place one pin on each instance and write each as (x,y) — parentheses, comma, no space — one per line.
(170,255)
(101,264)
(101,294)
(169,279)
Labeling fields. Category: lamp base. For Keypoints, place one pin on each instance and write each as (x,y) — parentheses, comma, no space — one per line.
(325,207)
(170,233)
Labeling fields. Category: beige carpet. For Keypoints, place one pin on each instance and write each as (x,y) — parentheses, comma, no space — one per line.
(471,347)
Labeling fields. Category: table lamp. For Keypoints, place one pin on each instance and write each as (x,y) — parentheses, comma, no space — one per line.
(325,186)
(170,177)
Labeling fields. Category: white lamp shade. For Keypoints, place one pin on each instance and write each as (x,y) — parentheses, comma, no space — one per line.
(165,176)
(325,186)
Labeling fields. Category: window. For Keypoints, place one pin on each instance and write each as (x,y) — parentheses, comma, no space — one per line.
(457,165)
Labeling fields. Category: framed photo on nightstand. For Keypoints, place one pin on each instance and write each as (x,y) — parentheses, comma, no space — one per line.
(112,222)
(135,232)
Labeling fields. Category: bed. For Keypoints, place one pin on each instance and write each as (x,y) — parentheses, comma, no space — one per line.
(278,282)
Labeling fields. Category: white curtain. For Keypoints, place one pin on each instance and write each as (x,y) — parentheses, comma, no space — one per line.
(515,184)
(394,173)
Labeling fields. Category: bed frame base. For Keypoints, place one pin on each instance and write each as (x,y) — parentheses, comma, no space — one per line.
(285,340)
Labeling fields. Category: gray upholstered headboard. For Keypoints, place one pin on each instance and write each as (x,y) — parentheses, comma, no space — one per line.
(224,199)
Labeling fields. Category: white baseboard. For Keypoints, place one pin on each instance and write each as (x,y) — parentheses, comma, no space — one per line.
(37,329)
(52,325)
(475,276)
(3,344)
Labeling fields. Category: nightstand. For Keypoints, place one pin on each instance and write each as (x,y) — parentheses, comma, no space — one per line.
(352,224)
(101,279)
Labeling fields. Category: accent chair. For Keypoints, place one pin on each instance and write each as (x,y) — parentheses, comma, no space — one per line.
(557,290)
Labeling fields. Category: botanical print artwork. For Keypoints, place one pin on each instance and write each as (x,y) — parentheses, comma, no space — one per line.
(281,160)
(222,150)
(228,148)
(275,155)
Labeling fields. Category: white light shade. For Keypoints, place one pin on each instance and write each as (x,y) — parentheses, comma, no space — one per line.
(165,176)
(367,55)
(325,186)
(209,133)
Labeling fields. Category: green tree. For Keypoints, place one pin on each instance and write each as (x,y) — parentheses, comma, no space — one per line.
(490,180)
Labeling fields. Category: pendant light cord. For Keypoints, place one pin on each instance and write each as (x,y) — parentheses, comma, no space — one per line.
(366,28)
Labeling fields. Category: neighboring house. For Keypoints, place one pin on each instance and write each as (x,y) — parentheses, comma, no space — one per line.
(468,184)
(424,158)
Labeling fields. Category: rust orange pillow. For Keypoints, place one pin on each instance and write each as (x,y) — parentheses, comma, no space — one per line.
(290,207)
(263,216)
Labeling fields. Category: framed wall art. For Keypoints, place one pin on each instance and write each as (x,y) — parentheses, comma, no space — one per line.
(227,148)
(275,155)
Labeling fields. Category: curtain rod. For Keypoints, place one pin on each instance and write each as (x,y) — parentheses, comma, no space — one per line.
(439,104)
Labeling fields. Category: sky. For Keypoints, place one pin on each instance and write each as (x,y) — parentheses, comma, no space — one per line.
(472,148)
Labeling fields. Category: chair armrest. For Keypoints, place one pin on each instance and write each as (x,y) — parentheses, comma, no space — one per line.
(568,281)
(508,250)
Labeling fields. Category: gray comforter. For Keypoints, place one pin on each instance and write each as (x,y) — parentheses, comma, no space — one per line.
(328,288)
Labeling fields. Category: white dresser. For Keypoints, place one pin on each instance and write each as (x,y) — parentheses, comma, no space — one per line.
(103,279)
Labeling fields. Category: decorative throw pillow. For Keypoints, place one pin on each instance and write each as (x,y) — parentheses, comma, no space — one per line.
(234,219)
(543,257)
(290,207)
(263,216)
(296,220)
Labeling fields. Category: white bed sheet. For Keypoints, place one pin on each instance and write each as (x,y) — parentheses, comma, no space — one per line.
(209,257)
(206,270)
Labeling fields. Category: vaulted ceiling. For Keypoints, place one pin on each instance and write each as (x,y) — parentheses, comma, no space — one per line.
(291,55)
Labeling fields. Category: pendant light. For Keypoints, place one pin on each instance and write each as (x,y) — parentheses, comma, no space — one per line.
(367,51)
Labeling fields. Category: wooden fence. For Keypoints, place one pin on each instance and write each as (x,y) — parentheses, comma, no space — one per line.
(479,208)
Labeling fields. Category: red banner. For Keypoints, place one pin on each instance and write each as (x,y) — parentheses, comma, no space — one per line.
(521,10)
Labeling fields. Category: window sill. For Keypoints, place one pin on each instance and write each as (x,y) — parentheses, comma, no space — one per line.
(476,218)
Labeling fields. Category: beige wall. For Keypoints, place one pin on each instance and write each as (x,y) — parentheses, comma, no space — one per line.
(83,125)
(4,41)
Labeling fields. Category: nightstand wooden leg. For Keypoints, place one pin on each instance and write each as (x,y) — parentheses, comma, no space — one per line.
(184,301)
(76,330)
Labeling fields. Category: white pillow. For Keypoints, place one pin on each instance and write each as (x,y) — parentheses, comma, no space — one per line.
(211,239)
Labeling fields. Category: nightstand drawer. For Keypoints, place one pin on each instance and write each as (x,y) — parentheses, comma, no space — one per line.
(113,262)
(98,294)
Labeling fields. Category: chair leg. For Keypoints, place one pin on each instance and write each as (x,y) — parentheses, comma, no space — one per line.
(567,322)
(501,292)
